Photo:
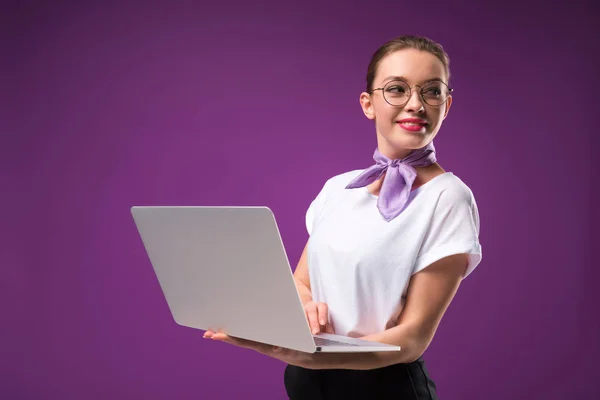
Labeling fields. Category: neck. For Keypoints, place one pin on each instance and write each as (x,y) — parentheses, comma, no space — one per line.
(393,152)
(424,174)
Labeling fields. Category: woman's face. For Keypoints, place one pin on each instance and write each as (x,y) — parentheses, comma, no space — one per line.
(394,138)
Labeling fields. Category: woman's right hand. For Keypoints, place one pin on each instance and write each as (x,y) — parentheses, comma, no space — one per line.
(317,315)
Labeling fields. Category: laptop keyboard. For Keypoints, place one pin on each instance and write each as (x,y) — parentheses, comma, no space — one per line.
(319,341)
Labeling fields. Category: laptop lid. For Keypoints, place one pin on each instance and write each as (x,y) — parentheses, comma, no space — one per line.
(222,268)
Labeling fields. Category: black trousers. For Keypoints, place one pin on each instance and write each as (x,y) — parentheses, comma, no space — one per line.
(400,381)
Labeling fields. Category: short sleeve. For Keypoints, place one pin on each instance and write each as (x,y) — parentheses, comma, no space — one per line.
(316,206)
(454,229)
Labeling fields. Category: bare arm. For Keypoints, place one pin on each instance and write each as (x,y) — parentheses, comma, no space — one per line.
(429,294)
(301,277)
(317,314)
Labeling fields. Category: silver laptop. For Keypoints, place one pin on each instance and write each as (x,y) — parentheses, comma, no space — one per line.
(225,269)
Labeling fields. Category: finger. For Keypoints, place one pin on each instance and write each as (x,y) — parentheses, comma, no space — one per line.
(222,337)
(313,319)
(329,328)
(308,318)
(323,314)
(263,348)
(230,339)
(236,341)
(208,334)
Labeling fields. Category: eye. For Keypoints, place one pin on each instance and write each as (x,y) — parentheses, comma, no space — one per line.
(432,92)
(396,89)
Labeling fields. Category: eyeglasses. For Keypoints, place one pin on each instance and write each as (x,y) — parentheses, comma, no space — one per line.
(398,93)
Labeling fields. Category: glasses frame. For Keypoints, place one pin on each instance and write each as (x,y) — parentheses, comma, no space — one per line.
(410,88)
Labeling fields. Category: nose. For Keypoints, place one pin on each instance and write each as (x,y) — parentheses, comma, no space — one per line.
(415,103)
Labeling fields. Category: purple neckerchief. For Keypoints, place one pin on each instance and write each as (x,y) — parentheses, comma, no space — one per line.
(398,180)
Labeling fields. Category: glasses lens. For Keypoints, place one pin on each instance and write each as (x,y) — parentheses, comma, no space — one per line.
(396,93)
(435,93)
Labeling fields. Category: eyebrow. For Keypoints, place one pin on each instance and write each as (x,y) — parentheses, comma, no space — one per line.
(401,78)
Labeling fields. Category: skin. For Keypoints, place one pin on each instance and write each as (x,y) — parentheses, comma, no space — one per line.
(392,140)
(432,289)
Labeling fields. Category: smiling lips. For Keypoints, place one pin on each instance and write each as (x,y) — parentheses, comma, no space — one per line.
(412,124)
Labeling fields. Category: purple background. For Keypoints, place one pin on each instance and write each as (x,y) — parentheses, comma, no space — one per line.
(108,106)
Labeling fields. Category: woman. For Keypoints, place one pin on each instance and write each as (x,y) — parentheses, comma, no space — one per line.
(388,245)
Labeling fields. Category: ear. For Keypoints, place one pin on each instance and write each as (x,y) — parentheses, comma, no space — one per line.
(447,104)
(367,105)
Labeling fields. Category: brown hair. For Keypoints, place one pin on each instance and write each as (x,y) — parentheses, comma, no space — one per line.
(406,42)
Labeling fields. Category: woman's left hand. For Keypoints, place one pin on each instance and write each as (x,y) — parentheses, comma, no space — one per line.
(288,356)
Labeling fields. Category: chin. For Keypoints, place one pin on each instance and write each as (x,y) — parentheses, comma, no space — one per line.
(408,141)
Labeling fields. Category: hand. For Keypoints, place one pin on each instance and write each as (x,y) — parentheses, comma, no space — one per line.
(317,315)
(288,356)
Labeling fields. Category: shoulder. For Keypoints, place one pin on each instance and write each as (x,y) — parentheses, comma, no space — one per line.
(455,201)
(452,188)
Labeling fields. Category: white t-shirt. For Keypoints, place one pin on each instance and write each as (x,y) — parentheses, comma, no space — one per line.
(360,264)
